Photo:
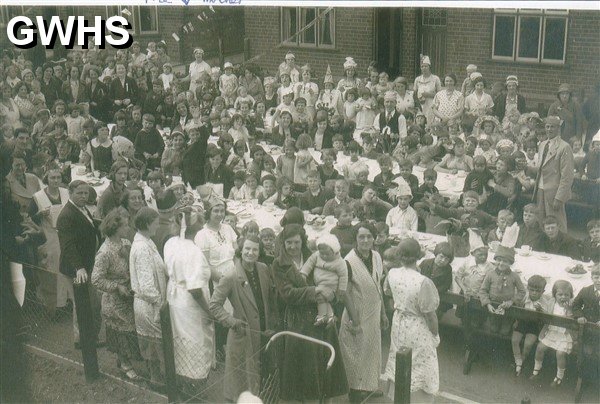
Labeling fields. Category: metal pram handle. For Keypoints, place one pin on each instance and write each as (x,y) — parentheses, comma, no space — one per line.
(306,338)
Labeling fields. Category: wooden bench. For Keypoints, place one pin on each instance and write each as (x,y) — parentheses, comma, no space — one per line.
(584,331)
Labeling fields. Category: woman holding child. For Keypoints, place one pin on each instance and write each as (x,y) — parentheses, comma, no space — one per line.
(303,373)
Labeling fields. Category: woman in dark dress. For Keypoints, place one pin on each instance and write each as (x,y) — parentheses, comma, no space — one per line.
(303,368)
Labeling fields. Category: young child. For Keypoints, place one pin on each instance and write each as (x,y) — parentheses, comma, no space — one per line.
(402,217)
(239,178)
(586,306)
(554,241)
(406,166)
(286,198)
(350,105)
(531,150)
(554,337)
(303,116)
(239,159)
(167,76)
(304,161)
(501,288)
(366,108)
(369,149)
(239,130)
(338,144)
(250,229)
(286,163)
(530,232)
(267,244)
(315,196)
(343,230)
(537,301)
(428,187)
(74,121)
(149,144)
(330,273)
(269,194)
(243,96)
(382,241)
(100,149)
(350,170)
(228,84)
(485,150)
(439,270)
(505,219)
(251,190)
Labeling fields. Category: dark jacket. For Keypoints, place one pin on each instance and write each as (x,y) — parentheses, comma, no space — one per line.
(222,175)
(308,201)
(79,240)
(500,105)
(119,92)
(192,166)
(98,95)
(563,244)
(587,304)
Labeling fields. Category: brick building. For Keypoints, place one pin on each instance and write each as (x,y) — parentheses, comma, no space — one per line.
(542,47)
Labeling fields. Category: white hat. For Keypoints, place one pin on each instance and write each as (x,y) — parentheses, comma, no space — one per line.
(228,65)
(403,189)
(596,137)
(426,61)
(199,50)
(349,63)
(331,241)
(475,240)
(390,95)
(475,75)
(215,69)
(269,80)
(472,67)
(512,79)
(287,91)
(289,56)
(328,76)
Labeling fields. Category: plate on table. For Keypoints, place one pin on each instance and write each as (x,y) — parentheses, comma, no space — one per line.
(245,215)
(576,271)
(424,237)
(544,257)
(522,252)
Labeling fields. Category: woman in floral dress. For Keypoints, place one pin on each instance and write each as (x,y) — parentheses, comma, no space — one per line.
(449,103)
(415,323)
(111,276)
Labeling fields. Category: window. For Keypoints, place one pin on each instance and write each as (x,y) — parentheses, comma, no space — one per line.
(435,17)
(532,36)
(143,19)
(307,26)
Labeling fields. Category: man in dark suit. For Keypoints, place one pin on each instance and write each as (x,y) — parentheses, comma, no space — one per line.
(79,240)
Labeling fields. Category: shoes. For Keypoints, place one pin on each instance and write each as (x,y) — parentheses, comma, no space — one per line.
(320,320)
(556,382)
(518,370)
(535,376)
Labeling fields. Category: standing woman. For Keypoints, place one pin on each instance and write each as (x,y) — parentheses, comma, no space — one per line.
(99,103)
(504,104)
(23,185)
(252,82)
(132,200)
(307,90)
(255,318)
(426,86)
(9,111)
(111,276)
(478,103)
(569,112)
(415,324)
(188,295)
(26,108)
(172,157)
(74,90)
(449,103)
(44,210)
(111,197)
(197,67)
(350,79)
(149,285)
(303,373)
(405,101)
(361,349)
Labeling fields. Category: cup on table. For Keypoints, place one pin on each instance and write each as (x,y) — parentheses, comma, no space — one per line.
(461,173)
(96,173)
(526,249)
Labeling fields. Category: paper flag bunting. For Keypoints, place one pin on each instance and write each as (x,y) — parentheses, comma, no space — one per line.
(185,28)
(126,12)
(190,26)
(211,8)
(175,36)
(200,17)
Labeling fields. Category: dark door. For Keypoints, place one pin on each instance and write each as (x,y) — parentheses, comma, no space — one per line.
(389,40)
(432,37)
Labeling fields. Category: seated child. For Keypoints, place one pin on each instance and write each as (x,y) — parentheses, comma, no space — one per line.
(501,288)
(232,220)
(558,338)
(286,198)
(530,232)
(406,166)
(382,241)
(360,181)
(531,156)
(590,246)
(428,187)
(554,241)
(338,143)
(327,171)
(384,180)
(304,162)
(251,190)
(439,270)
(505,219)
(343,230)
(315,196)
(402,217)
(239,177)
(350,169)
(586,308)
(286,163)
(340,189)
(486,151)
(478,179)
(330,272)
(534,300)
(269,194)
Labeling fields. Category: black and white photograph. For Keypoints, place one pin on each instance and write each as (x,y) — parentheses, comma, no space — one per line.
(229,201)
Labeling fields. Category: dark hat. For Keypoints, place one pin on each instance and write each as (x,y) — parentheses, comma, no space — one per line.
(506,252)
(166,201)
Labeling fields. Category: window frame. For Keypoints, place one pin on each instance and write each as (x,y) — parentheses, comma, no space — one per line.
(297,41)
(139,20)
(543,15)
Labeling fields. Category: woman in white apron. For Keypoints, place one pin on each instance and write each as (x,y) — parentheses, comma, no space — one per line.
(188,295)
(425,88)
(54,288)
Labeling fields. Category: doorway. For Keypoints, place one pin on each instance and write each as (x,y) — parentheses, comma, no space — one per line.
(388,43)
(432,38)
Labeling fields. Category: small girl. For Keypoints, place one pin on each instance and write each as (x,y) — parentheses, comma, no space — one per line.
(350,105)
(531,155)
(251,190)
(239,159)
(330,272)
(578,153)
(238,182)
(243,96)
(286,163)
(250,229)
(228,84)
(304,160)
(267,246)
(319,136)
(268,167)
(355,165)
(554,337)
(238,131)
(485,150)
(366,108)
(100,149)
(167,76)
(286,197)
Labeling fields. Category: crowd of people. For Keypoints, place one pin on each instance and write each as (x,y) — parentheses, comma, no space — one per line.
(177,148)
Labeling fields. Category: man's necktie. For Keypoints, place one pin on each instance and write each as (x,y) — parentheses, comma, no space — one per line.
(539,174)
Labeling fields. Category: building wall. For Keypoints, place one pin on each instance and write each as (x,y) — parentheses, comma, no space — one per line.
(469,40)
(409,46)
(353,37)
